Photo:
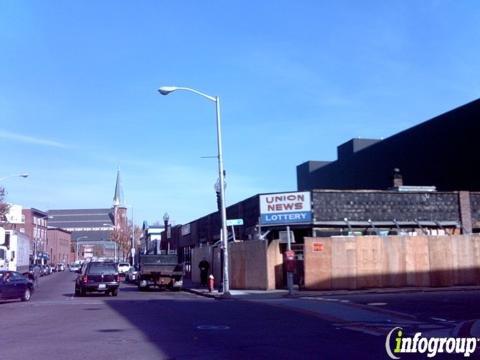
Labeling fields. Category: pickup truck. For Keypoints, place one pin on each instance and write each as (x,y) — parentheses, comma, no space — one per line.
(161,271)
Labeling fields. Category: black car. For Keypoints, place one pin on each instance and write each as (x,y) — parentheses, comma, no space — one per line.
(14,285)
(97,277)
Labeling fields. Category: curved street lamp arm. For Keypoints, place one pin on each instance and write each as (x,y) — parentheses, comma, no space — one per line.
(16,175)
(211,98)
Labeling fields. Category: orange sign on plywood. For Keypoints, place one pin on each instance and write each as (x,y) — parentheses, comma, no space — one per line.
(317,246)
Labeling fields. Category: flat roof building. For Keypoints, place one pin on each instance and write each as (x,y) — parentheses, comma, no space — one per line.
(440,152)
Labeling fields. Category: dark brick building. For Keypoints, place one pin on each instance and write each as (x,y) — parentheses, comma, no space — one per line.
(393,212)
(439,152)
(343,212)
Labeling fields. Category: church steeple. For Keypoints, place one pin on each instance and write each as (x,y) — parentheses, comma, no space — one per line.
(118,196)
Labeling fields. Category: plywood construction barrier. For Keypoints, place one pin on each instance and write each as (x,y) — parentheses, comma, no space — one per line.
(198,254)
(254,264)
(391,261)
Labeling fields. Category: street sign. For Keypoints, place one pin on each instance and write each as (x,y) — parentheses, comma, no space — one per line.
(235,222)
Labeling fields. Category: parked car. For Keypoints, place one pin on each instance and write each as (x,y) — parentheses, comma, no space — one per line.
(75,267)
(14,285)
(123,267)
(131,276)
(44,270)
(97,277)
(60,267)
(47,269)
(53,267)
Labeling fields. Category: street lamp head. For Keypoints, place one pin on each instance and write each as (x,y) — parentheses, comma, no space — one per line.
(165,90)
(166,217)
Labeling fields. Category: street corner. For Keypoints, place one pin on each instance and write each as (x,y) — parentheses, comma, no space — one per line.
(203,292)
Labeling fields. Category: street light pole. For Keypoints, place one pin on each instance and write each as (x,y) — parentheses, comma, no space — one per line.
(132,251)
(165,90)
(166,218)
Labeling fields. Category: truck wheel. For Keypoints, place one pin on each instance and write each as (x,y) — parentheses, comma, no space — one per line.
(26,295)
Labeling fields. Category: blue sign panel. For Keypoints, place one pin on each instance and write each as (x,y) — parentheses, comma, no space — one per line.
(287,218)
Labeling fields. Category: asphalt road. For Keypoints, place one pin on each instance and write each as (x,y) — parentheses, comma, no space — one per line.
(164,325)
(178,325)
(447,305)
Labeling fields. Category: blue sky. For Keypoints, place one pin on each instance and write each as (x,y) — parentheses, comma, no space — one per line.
(78,93)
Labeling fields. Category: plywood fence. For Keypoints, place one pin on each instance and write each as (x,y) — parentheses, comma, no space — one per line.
(391,261)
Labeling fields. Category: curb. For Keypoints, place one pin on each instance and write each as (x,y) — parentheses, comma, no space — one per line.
(312,293)
(302,293)
(202,293)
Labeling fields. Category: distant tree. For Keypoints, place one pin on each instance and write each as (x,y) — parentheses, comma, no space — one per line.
(121,237)
(3,205)
(124,239)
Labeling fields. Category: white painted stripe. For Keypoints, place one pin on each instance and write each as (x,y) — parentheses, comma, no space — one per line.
(377,304)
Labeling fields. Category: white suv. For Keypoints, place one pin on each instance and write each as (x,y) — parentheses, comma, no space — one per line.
(123,267)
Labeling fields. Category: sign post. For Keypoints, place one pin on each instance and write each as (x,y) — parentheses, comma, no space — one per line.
(288,257)
(232,223)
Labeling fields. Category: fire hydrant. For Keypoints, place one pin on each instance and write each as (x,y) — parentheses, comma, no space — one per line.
(211,283)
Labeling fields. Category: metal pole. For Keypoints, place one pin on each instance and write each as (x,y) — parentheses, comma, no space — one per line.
(133,241)
(289,274)
(223,212)
(259,228)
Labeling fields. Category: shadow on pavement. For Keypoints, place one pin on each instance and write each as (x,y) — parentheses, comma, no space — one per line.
(236,329)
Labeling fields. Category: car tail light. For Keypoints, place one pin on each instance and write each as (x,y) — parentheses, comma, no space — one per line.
(85,279)
(117,278)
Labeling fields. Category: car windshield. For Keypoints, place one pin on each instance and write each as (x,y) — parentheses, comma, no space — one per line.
(101,268)
(124,264)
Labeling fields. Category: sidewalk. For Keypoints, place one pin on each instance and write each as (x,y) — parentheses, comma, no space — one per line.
(196,288)
(346,314)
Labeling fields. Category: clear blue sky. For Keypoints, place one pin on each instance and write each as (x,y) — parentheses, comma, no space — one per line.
(78,93)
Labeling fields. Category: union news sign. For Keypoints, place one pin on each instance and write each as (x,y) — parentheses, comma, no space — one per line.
(285,208)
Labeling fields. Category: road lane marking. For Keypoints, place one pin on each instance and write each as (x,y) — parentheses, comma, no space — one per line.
(377,304)
(438,319)
(213,327)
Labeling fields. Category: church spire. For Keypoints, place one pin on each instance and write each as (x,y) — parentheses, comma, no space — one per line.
(118,196)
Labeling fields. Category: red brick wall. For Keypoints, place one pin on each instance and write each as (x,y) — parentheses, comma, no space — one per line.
(59,246)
